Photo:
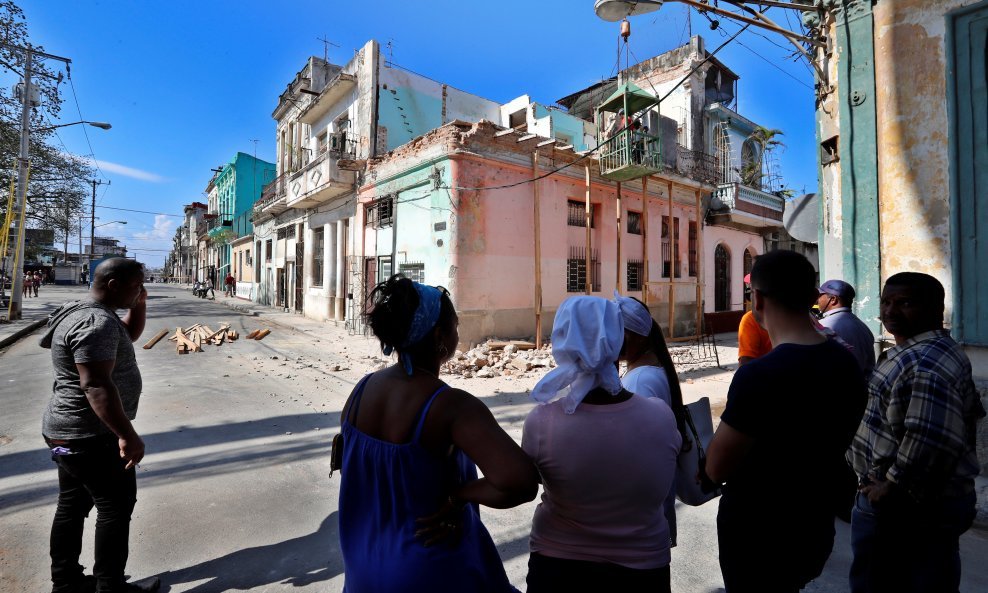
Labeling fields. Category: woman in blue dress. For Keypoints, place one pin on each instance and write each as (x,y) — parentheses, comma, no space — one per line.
(409,494)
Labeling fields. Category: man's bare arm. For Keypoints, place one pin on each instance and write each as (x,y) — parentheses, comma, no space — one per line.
(96,381)
(136,316)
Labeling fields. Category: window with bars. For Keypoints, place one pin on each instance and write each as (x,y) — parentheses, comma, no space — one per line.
(577,212)
(693,248)
(318,242)
(290,231)
(634,222)
(671,258)
(414,271)
(267,250)
(282,233)
(636,274)
(576,270)
(379,213)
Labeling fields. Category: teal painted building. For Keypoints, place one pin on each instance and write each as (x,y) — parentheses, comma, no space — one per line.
(238,185)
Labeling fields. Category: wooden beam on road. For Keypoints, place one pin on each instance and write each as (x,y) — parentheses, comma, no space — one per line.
(157,338)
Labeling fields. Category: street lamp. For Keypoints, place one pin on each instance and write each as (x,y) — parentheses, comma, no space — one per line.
(96,124)
(114,222)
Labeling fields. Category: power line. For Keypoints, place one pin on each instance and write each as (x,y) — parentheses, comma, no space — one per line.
(141,211)
(78,109)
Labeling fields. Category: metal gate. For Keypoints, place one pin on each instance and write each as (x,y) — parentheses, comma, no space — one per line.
(299,279)
(355,300)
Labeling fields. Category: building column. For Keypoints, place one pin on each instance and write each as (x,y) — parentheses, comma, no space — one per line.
(340,302)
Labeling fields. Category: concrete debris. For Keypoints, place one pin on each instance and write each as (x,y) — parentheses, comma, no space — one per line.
(500,359)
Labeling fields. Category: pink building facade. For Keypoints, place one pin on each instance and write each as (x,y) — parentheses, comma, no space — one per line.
(457,207)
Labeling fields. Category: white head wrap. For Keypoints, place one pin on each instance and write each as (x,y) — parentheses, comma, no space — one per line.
(587,336)
(636,317)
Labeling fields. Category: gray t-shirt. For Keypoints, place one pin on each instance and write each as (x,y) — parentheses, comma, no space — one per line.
(82,332)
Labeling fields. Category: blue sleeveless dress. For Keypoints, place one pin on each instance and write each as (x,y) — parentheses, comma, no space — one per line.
(385,487)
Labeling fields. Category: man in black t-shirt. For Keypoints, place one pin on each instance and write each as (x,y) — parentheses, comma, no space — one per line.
(780,447)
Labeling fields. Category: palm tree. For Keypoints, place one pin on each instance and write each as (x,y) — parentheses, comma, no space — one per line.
(753,165)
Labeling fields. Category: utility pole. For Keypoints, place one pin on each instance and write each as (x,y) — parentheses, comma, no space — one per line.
(20,198)
(92,228)
(23,164)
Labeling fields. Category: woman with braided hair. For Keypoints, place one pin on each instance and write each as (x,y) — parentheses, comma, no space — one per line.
(410,494)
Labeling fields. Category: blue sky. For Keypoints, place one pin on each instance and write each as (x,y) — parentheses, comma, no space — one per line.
(188,84)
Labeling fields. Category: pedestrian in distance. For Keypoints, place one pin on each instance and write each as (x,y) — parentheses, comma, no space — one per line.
(779,449)
(410,493)
(753,340)
(88,426)
(914,451)
(650,373)
(27,282)
(834,301)
(36,284)
(607,458)
(230,284)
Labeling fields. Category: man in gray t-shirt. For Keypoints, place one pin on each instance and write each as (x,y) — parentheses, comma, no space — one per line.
(87,426)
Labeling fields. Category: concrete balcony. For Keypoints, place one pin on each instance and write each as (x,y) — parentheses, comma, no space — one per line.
(273,200)
(319,182)
(747,205)
(338,88)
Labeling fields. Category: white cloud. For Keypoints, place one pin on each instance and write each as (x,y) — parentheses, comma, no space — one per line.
(164,228)
(128,171)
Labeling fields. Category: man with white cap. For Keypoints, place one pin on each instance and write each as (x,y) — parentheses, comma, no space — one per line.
(836,297)
(607,459)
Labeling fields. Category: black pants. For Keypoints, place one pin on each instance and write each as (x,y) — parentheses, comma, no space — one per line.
(771,550)
(549,575)
(92,475)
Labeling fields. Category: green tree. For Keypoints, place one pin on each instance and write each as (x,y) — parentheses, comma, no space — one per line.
(58,179)
(762,140)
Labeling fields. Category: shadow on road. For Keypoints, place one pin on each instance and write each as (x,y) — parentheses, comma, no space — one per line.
(305,443)
(299,562)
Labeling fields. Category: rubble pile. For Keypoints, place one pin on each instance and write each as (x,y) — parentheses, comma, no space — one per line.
(500,359)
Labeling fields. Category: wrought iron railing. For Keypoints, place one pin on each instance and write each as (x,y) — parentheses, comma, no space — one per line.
(271,193)
(697,165)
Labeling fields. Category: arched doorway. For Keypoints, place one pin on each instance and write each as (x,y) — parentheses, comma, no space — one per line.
(722,278)
(749,259)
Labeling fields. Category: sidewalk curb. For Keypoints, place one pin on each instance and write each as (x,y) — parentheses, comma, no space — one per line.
(13,338)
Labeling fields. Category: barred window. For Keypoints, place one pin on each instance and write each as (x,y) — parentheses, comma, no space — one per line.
(634,222)
(693,247)
(576,270)
(379,213)
(414,271)
(282,233)
(290,231)
(318,236)
(267,250)
(577,214)
(636,275)
(666,249)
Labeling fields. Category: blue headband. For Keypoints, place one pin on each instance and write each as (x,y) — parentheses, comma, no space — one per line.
(425,318)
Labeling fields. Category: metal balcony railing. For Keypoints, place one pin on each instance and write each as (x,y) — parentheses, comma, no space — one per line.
(697,165)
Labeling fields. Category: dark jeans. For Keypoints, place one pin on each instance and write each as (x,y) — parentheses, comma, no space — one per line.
(903,546)
(93,474)
(764,550)
(549,575)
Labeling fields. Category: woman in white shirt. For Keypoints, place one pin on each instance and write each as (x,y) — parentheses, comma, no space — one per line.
(651,372)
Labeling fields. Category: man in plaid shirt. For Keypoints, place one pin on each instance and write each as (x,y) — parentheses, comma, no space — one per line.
(914,451)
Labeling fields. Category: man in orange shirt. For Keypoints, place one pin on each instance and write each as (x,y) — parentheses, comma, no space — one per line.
(753,341)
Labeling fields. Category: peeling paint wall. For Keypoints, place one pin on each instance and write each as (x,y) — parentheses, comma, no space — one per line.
(910,61)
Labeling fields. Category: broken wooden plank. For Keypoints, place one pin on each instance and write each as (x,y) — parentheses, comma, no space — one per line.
(221,330)
(520,344)
(186,341)
(262,334)
(231,335)
(252,334)
(157,338)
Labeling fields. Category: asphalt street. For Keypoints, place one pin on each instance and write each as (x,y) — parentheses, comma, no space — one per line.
(233,494)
